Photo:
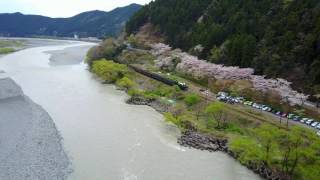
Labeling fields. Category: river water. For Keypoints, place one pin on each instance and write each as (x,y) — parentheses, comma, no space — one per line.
(104,137)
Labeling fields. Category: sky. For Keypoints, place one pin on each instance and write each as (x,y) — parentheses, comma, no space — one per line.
(62,8)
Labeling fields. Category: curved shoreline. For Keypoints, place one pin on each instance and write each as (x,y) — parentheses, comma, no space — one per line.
(28,87)
(31,144)
(192,139)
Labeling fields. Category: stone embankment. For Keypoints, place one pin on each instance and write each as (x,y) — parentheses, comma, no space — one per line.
(158,106)
(193,139)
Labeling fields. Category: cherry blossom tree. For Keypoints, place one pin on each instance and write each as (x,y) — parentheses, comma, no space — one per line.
(201,69)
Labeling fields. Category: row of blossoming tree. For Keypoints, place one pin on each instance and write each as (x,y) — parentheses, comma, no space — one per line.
(175,59)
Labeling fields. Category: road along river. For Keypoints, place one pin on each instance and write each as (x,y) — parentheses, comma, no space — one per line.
(104,137)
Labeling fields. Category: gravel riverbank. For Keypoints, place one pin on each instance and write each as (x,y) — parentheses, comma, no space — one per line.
(68,56)
(31,146)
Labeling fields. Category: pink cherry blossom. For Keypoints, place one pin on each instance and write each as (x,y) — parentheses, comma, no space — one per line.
(201,69)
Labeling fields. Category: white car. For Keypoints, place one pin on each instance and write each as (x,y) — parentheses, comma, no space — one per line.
(314,124)
(303,120)
(318,126)
(220,98)
(309,121)
(240,99)
(318,133)
(223,94)
(265,108)
(255,105)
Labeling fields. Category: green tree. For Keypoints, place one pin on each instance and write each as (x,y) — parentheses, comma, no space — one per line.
(296,148)
(247,150)
(215,54)
(267,136)
(133,40)
(108,49)
(192,99)
(177,110)
(217,111)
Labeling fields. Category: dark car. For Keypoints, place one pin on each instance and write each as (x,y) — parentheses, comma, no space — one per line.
(296,118)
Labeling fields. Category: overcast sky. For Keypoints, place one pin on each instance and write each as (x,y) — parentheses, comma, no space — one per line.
(62,8)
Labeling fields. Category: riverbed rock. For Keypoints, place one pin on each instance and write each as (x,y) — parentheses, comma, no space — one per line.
(199,141)
(138,100)
(193,139)
(9,89)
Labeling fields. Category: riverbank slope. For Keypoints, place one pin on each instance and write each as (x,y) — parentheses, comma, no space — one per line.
(31,146)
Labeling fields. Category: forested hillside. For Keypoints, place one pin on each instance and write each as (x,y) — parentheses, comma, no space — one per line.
(87,24)
(278,38)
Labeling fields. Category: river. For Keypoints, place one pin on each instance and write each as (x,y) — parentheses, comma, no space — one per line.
(104,137)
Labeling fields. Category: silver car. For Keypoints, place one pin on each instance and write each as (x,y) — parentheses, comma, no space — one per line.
(314,124)
(309,121)
(304,120)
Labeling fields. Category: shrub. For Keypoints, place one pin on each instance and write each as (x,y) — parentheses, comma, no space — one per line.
(192,99)
(169,117)
(164,91)
(108,70)
(135,57)
(6,50)
(149,95)
(234,128)
(125,83)
(135,92)
(108,49)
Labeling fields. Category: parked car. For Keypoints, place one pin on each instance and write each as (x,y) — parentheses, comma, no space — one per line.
(220,98)
(266,108)
(240,99)
(284,115)
(303,120)
(278,113)
(314,124)
(309,121)
(290,116)
(259,106)
(318,126)
(247,103)
(318,133)
(296,118)
(223,94)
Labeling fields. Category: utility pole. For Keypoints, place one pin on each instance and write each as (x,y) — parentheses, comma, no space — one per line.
(317,96)
(287,101)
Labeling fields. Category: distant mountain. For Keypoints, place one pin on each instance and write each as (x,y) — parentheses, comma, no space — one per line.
(87,24)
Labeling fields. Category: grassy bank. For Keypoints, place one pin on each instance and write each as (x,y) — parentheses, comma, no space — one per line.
(256,139)
(7,50)
(10,46)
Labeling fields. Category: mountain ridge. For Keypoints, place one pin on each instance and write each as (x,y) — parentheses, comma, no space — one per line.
(95,23)
(279,39)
